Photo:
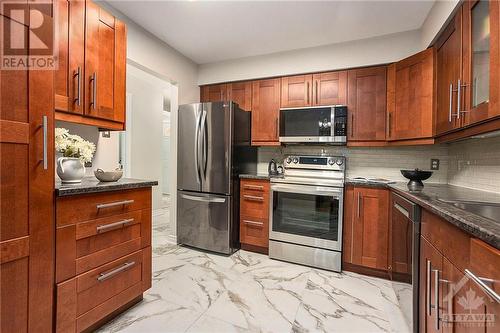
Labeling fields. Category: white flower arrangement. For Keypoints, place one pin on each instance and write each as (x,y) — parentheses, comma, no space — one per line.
(71,145)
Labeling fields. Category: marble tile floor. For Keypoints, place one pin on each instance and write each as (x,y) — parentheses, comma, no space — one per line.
(195,291)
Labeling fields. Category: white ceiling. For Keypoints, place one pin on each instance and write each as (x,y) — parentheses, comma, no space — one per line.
(211,31)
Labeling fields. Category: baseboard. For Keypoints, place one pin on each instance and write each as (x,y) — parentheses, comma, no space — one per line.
(365,271)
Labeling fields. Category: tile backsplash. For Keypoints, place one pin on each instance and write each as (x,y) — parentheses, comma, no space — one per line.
(475,163)
(370,162)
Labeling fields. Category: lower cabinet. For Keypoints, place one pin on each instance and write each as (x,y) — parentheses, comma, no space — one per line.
(254,215)
(103,256)
(458,280)
(366,229)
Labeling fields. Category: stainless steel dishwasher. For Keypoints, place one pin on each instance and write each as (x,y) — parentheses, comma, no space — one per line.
(405,248)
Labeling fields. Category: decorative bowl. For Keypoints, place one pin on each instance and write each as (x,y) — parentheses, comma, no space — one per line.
(108,176)
(416,176)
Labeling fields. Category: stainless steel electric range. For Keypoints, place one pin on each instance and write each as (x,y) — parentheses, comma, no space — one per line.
(306,211)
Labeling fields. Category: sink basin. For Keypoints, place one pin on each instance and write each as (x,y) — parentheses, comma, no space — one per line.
(488,210)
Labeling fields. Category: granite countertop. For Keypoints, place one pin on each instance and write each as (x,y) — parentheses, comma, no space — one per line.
(428,198)
(93,185)
(368,182)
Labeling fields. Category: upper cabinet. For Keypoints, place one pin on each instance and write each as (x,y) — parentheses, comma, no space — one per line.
(314,89)
(265,112)
(410,98)
(241,93)
(90,82)
(213,93)
(468,71)
(366,104)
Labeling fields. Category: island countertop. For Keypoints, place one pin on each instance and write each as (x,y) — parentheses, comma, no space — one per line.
(93,185)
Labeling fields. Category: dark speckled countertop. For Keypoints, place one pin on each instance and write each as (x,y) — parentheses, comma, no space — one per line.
(93,185)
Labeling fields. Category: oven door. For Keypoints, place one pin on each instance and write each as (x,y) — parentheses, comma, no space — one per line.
(306,215)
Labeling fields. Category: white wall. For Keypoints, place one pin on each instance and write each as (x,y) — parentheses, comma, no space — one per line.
(358,53)
(149,51)
(436,20)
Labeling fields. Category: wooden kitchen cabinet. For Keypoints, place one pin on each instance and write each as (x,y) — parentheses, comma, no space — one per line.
(241,93)
(366,230)
(296,91)
(410,114)
(254,215)
(366,103)
(103,255)
(329,88)
(265,112)
(214,93)
(27,195)
(69,77)
(90,82)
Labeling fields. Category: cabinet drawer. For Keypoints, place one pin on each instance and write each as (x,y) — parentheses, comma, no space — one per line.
(485,263)
(254,204)
(92,296)
(254,231)
(87,245)
(79,208)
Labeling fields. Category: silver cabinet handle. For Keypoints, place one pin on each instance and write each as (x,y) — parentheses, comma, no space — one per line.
(389,125)
(459,89)
(276,127)
(481,283)
(93,80)
(428,287)
(436,297)
(108,227)
(113,204)
(402,210)
(352,125)
(451,102)
(45,159)
(253,197)
(254,187)
(203,199)
(359,204)
(253,223)
(77,76)
(109,274)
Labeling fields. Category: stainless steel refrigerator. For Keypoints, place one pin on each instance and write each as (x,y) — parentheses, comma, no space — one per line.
(214,146)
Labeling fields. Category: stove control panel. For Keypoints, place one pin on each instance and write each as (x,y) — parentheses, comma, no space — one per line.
(315,162)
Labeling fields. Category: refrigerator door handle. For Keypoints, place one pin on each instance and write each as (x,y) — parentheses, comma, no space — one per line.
(204,142)
(197,148)
(203,199)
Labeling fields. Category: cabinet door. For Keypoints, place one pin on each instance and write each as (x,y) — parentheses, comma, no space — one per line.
(265,112)
(366,103)
(213,93)
(400,249)
(431,267)
(26,192)
(296,91)
(449,62)
(69,78)
(330,88)
(105,61)
(371,227)
(412,117)
(480,60)
(241,93)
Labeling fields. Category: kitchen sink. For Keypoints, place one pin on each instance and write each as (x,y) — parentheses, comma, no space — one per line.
(489,210)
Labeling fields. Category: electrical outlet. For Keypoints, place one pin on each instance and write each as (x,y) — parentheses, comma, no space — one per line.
(434,164)
(106,134)
(88,164)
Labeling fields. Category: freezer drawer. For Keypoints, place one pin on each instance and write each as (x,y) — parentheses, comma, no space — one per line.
(204,221)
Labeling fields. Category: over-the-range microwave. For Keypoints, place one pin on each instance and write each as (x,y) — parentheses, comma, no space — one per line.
(318,124)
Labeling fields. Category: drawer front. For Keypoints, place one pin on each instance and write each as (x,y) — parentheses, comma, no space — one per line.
(87,245)
(90,297)
(80,208)
(254,231)
(254,186)
(254,198)
(485,263)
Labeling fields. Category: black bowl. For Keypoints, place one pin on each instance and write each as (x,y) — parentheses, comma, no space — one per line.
(416,176)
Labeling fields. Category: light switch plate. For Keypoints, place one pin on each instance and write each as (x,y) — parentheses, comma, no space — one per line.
(434,164)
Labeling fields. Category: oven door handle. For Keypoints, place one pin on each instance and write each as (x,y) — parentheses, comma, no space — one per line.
(317,190)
